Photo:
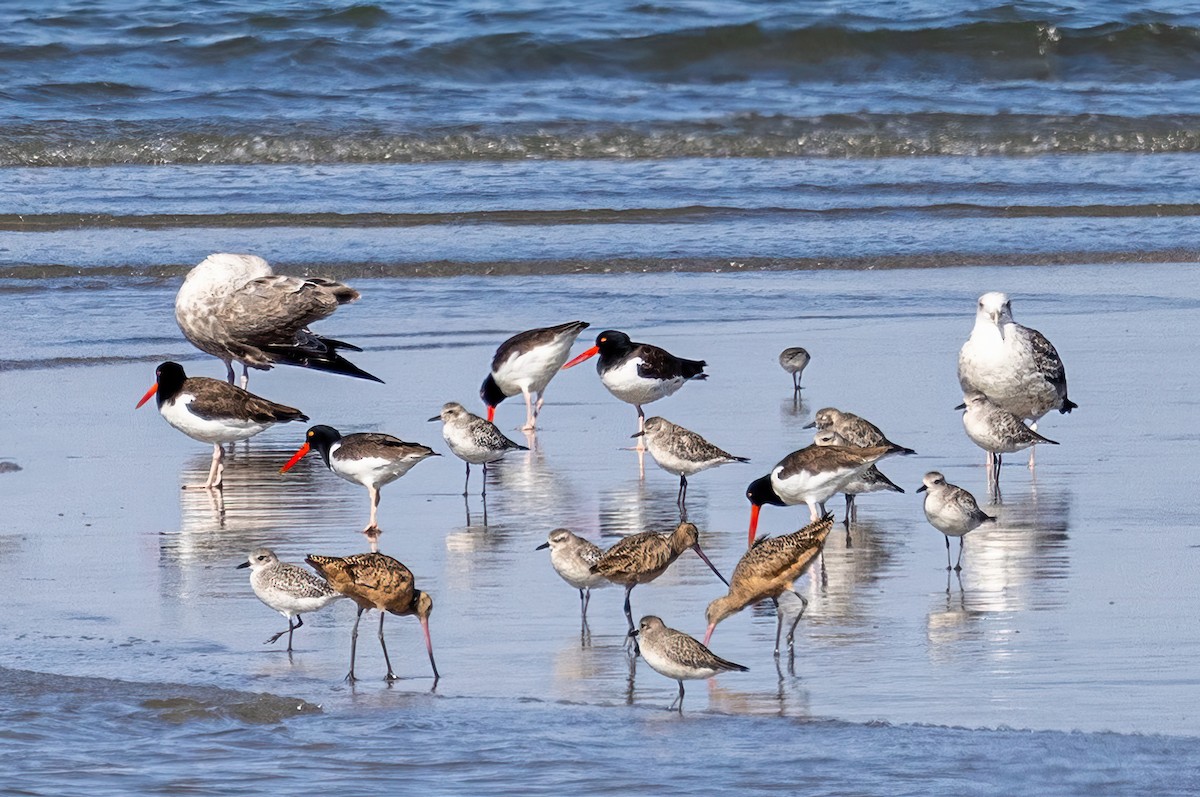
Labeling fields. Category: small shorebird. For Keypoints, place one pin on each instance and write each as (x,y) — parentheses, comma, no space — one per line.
(525,364)
(794,361)
(997,432)
(286,588)
(681,452)
(770,568)
(472,439)
(638,373)
(235,308)
(1014,366)
(676,655)
(573,557)
(872,479)
(811,475)
(212,411)
(367,458)
(856,431)
(376,581)
(951,510)
(641,558)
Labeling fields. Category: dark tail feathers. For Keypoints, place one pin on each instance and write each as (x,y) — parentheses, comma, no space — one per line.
(320,354)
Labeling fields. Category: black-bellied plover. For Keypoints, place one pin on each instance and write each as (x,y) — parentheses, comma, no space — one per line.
(676,655)
(472,439)
(856,431)
(768,569)
(681,452)
(794,361)
(236,308)
(525,364)
(997,432)
(367,458)
(212,411)
(286,588)
(376,581)
(951,510)
(872,480)
(573,558)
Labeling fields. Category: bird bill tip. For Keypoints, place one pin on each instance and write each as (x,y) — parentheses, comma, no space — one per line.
(243,564)
(491,413)
(922,489)
(149,393)
(542,547)
(709,632)
(295,458)
(587,354)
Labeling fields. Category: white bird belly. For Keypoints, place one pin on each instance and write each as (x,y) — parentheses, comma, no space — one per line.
(625,383)
(221,430)
(531,370)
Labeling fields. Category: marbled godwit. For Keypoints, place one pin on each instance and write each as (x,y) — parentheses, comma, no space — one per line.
(573,557)
(641,558)
(286,588)
(1014,366)
(525,364)
(810,476)
(997,432)
(376,581)
(794,361)
(872,479)
(856,431)
(212,411)
(472,439)
(676,655)
(235,308)
(638,373)
(951,510)
(367,458)
(767,570)
(681,452)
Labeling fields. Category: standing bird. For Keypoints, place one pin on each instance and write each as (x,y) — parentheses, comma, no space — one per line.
(472,439)
(1014,366)
(376,581)
(997,432)
(638,373)
(641,558)
(951,510)
(794,361)
(286,588)
(367,458)
(811,475)
(681,452)
(770,568)
(213,411)
(235,308)
(872,479)
(856,431)
(525,364)
(676,655)
(573,557)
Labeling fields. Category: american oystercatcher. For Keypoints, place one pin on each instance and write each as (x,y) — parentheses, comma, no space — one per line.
(638,373)
(235,307)
(212,411)
(472,439)
(367,458)
(525,364)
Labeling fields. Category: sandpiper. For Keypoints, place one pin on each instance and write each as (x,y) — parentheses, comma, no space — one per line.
(871,480)
(856,431)
(573,558)
(212,411)
(997,432)
(376,581)
(525,364)
(951,510)
(770,568)
(472,439)
(794,361)
(682,452)
(286,588)
(676,655)
(236,308)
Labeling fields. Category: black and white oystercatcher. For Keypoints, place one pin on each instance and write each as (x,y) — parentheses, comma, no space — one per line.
(525,364)
(235,308)
(213,411)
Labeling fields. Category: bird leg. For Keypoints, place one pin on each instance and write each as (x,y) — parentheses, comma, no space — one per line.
(216,470)
(958,563)
(245,376)
(795,382)
(290,629)
(483,492)
(641,435)
(530,412)
(947,551)
(849,508)
(354,644)
(1032,449)
(629,617)
(390,676)
(372,529)
(537,408)
(791,637)
(681,499)
(678,699)
(229,371)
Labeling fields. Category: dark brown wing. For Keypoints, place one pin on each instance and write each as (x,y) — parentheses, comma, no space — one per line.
(215,399)
(660,364)
(533,338)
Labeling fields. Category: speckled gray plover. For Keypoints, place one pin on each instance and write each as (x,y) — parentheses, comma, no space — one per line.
(871,480)
(951,510)
(794,361)
(287,588)
(676,655)
(525,364)
(856,431)
(681,452)
(997,432)
(573,558)
(473,440)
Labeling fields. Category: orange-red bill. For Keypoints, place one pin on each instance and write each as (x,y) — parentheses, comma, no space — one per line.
(153,389)
(754,508)
(491,414)
(299,455)
(592,352)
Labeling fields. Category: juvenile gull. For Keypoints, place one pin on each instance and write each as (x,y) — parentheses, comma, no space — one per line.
(235,307)
(951,510)
(676,655)
(682,452)
(286,588)
(525,364)
(472,439)
(573,558)
(997,432)
(212,411)
(870,480)
(794,361)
